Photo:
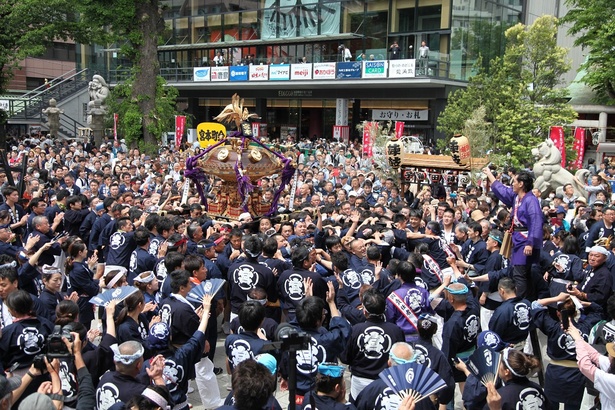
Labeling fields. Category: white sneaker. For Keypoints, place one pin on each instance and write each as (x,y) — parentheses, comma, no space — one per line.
(226,328)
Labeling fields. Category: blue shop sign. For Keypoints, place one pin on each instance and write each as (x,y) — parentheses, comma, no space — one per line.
(239,73)
(348,70)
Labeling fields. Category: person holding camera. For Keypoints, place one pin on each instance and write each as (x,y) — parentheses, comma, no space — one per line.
(395,51)
(597,367)
(23,339)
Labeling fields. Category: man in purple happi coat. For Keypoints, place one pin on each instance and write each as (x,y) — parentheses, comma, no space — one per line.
(527,226)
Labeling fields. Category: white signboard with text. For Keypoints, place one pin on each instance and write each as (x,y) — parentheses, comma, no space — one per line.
(279,72)
(259,73)
(401,68)
(400,115)
(202,73)
(219,73)
(301,71)
(324,71)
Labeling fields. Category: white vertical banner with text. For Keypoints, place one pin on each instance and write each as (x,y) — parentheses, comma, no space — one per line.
(341,111)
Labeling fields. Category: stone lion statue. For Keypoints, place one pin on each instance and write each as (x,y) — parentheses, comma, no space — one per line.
(549,174)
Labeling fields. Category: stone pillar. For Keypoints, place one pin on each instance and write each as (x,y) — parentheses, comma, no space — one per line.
(98,122)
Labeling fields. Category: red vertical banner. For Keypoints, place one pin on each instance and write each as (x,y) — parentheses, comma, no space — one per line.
(369,135)
(399,129)
(557,136)
(180,124)
(341,133)
(116,118)
(579,147)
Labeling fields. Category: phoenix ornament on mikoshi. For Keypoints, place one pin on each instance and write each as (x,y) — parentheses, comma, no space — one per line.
(238,159)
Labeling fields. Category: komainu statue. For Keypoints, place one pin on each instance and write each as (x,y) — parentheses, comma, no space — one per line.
(551,176)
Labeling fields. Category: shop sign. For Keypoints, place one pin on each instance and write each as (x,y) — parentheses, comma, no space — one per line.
(301,71)
(239,73)
(294,93)
(348,70)
(374,69)
(401,68)
(219,73)
(259,72)
(279,72)
(400,115)
(201,73)
(324,71)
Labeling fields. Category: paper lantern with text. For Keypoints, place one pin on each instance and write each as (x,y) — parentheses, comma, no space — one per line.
(394,149)
(460,149)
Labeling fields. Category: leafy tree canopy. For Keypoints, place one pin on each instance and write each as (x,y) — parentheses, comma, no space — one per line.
(519,93)
(592,22)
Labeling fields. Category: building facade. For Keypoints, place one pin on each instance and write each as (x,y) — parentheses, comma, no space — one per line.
(439,41)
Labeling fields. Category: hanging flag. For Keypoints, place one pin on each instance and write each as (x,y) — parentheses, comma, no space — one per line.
(180,124)
(116,117)
(557,136)
(579,147)
(370,129)
(399,129)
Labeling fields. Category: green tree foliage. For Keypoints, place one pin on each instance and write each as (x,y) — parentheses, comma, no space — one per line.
(519,92)
(133,25)
(130,115)
(29,26)
(592,22)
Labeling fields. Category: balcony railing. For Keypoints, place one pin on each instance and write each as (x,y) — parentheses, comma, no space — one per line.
(355,70)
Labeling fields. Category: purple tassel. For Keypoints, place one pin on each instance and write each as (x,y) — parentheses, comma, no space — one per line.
(196,174)
(287,175)
(244,186)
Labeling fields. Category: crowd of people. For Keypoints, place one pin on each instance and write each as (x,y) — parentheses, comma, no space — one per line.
(353,273)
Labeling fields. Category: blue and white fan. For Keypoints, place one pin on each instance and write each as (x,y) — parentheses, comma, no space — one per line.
(412,379)
(108,295)
(208,287)
(484,364)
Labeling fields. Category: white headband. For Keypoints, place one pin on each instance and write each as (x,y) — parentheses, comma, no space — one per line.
(505,359)
(12,264)
(126,359)
(50,270)
(150,277)
(119,275)
(156,398)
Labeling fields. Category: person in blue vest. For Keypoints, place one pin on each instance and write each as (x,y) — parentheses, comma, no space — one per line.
(461,326)
(368,348)
(512,320)
(250,342)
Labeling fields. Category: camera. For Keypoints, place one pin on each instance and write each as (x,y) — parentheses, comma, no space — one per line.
(39,362)
(55,345)
(292,338)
